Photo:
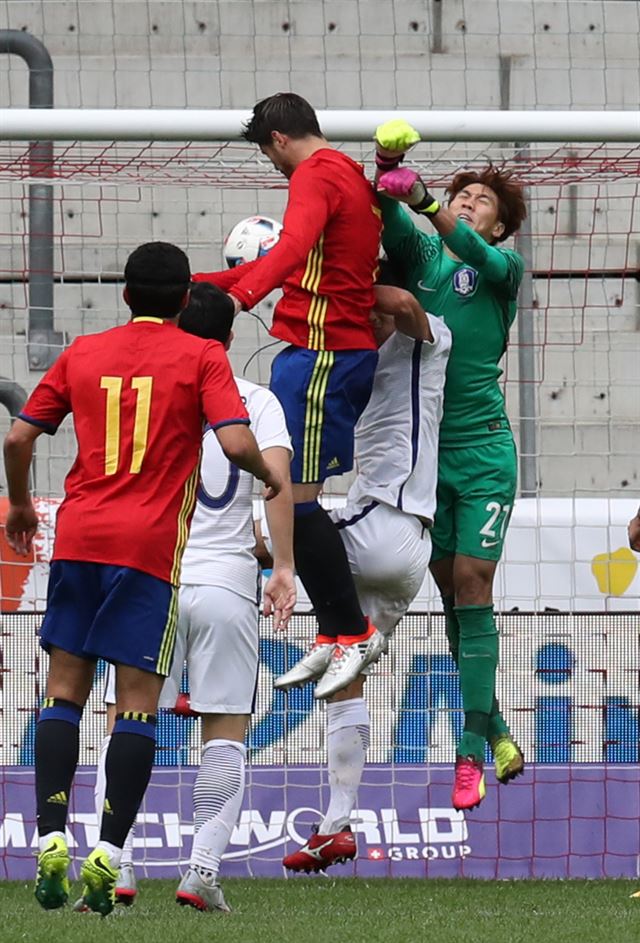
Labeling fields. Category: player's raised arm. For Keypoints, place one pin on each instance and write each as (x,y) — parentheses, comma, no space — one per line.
(312,199)
(480,213)
(407,313)
(403,241)
(227,278)
(393,139)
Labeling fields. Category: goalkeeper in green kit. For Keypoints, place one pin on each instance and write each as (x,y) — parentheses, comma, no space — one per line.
(461,275)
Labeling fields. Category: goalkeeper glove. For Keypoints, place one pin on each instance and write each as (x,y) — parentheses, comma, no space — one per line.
(405,185)
(393,139)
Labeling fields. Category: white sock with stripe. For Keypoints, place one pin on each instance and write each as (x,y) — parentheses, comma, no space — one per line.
(347,743)
(217,797)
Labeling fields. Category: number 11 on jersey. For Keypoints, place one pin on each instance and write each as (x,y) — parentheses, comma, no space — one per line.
(143,387)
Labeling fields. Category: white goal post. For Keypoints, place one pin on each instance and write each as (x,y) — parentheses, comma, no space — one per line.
(65,124)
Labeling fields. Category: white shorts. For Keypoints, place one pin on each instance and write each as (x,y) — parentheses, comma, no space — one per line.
(218,639)
(109,696)
(388,552)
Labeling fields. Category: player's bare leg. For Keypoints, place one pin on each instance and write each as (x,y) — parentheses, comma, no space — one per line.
(217,798)
(333,841)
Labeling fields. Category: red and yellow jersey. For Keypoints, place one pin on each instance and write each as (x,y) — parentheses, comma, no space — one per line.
(138,395)
(325,260)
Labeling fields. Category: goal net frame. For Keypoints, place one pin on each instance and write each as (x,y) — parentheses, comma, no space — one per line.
(405,822)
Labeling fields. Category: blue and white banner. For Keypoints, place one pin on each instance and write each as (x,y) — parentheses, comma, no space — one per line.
(555,822)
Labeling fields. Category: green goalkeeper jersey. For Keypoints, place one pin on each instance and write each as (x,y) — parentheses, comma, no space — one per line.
(475,295)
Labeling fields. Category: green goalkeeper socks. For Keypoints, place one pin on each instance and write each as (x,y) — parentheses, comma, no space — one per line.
(477,664)
(497,724)
(452,625)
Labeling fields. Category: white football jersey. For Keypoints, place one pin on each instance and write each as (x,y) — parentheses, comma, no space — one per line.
(396,438)
(219,551)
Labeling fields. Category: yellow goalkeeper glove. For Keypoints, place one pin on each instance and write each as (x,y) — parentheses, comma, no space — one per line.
(393,139)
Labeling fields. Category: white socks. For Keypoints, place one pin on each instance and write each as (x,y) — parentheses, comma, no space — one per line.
(347,742)
(217,797)
(99,793)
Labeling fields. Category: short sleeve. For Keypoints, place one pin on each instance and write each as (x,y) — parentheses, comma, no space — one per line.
(50,402)
(268,422)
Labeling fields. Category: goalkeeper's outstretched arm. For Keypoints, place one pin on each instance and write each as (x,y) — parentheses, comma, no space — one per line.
(406,186)
(393,139)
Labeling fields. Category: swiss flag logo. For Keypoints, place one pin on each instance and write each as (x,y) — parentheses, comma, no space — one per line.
(375,854)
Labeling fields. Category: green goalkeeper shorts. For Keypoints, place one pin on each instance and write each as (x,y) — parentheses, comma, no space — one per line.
(476,491)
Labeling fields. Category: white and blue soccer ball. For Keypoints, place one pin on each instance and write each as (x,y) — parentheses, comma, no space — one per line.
(250,239)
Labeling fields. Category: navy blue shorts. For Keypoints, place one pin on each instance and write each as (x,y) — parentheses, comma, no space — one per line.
(123,615)
(322,393)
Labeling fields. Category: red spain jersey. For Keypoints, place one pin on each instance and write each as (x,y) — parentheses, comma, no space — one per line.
(138,395)
(326,259)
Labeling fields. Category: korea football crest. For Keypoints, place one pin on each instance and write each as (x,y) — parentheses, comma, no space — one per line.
(465,281)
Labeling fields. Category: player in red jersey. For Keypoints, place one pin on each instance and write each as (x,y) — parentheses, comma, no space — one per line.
(326,261)
(138,395)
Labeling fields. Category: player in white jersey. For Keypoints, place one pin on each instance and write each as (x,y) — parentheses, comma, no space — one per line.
(385,529)
(217,634)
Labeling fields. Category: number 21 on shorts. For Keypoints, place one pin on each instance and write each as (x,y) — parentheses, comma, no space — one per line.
(143,387)
(493,531)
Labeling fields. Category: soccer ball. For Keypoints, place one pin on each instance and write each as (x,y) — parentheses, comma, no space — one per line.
(251,238)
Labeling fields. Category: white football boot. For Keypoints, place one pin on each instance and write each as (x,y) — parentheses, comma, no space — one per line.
(348,662)
(126,885)
(202,892)
(311,666)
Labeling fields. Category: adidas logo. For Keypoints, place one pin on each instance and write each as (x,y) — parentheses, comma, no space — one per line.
(58,798)
(107,808)
(334,463)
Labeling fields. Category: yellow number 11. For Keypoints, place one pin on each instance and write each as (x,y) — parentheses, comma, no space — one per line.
(143,387)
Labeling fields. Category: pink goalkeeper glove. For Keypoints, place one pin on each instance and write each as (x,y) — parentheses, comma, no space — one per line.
(405,185)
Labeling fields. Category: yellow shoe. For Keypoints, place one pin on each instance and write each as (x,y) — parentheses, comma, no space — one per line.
(99,891)
(508,758)
(52,883)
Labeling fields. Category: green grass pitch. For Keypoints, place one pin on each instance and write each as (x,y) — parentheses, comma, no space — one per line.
(324,910)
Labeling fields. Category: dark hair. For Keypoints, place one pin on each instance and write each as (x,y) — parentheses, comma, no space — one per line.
(157,276)
(512,209)
(285,112)
(209,313)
